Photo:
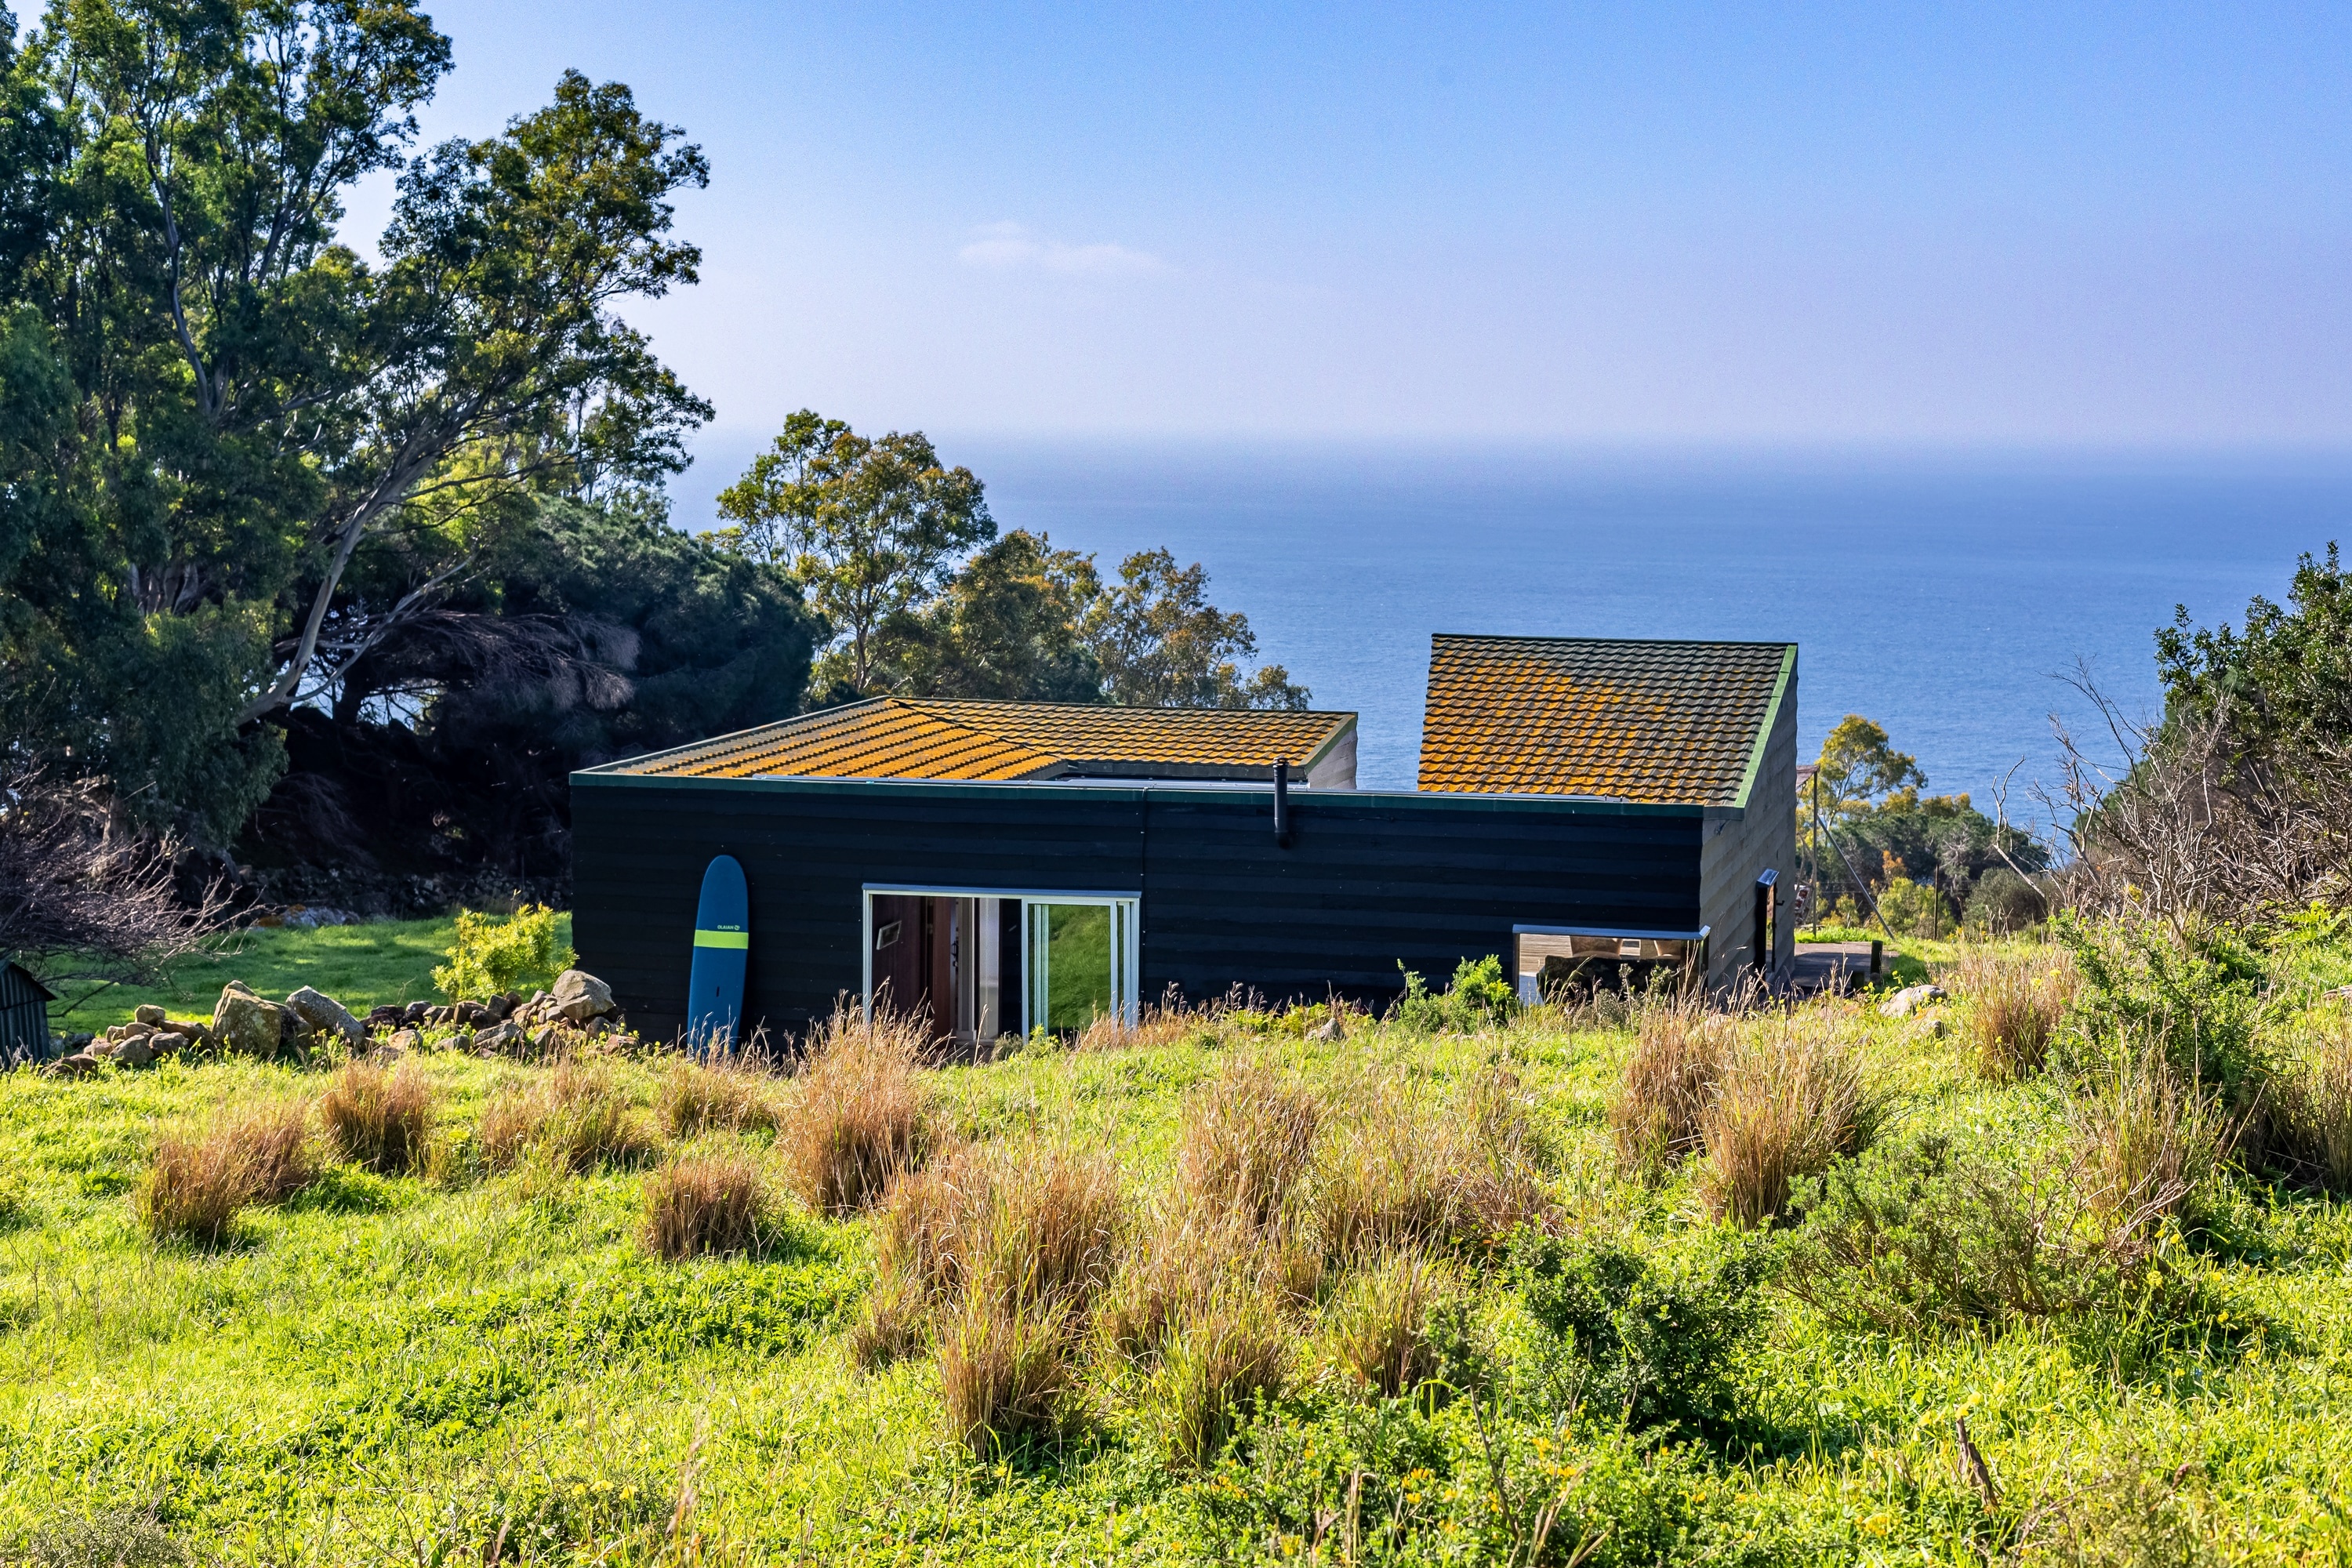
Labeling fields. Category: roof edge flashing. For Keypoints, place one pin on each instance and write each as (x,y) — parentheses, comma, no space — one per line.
(1755,768)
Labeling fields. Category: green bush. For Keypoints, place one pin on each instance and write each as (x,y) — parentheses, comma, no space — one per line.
(1480,996)
(2192,998)
(1652,1347)
(492,956)
(1913,909)
(1920,1240)
(2003,903)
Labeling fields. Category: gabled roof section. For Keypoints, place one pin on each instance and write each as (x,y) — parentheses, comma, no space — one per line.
(923,738)
(1670,722)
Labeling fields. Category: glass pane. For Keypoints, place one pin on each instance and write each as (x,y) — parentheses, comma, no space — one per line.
(1077,965)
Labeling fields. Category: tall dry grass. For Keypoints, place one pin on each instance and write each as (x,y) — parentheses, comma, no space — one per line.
(1002,1254)
(576,1115)
(863,1110)
(1005,1376)
(2318,1113)
(201,1176)
(703,1205)
(1679,1052)
(1792,1097)
(378,1117)
(1168,1024)
(1222,1355)
(2146,1137)
(728,1096)
(1378,1326)
(1403,1171)
(2013,1005)
(1247,1140)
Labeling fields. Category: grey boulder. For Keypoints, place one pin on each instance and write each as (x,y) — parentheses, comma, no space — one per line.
(322,1014)
(580,996)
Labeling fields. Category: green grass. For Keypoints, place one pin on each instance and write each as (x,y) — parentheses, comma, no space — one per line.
(360,966)
(413,1369)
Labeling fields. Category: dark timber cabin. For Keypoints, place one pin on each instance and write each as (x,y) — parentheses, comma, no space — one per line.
(1010,866)
(24,1016)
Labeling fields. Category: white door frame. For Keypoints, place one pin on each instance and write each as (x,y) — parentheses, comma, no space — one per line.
(1127,936)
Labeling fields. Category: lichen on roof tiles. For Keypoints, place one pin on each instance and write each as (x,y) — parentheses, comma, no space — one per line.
(925,738)
(1664,722)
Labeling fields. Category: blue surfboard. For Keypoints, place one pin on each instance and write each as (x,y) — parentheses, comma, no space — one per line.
(722,952)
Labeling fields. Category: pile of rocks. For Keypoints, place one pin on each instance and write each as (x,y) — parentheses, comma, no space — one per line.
(244,1023)
(579,1009)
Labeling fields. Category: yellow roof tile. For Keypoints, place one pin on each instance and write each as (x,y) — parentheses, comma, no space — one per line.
(1662,722)
(922,738)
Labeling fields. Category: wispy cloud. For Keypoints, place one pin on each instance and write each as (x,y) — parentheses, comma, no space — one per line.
(1011,247)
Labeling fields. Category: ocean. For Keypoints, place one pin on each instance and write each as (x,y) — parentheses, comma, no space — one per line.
(1945,599)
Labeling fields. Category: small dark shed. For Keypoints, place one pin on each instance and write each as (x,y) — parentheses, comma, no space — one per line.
(24,1016)
(1587,807)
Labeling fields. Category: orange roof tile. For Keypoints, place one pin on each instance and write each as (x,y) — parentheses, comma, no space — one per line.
(922,738)
(1662,721)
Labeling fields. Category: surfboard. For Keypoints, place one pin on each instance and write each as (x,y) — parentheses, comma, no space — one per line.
(722,952)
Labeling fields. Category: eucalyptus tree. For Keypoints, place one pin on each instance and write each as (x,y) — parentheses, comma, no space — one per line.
(217,405)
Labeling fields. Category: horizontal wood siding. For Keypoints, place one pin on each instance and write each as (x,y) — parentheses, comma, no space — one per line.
(1739,850)
(1367,881)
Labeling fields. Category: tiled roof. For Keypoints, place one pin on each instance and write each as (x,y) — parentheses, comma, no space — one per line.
(910,738)
(1664,722)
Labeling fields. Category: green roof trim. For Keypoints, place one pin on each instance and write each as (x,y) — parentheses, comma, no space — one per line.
(1764,730)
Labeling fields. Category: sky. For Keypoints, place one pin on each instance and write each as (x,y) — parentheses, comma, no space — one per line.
(1650,225)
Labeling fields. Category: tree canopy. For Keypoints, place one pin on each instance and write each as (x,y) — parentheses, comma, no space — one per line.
(238,458)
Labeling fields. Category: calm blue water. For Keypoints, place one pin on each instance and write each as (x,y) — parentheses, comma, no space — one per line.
(1942,599)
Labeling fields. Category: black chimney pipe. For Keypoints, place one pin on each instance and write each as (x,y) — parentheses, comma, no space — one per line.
(1282,804)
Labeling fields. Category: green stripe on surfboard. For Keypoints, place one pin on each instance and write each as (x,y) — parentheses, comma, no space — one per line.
(741,939)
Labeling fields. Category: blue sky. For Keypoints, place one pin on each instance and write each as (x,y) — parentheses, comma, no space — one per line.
(1789,226)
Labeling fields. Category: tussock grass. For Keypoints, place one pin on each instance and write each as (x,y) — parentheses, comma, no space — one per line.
(1225,1353)
(201,1176)
(705,1204)
(2014,1004)
(1679,1052)
(1248,1140)
(985,1249)
(1005,1374)
(1401,1172)
(577,1116)
(378,1117)
(863,1113)
(2145,1140)
(1791,1098)
(725,1097)
(2313,1120)
(1155,1026)
(1378,1326)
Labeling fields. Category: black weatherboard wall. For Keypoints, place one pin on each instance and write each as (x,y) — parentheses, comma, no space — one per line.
(1369,880)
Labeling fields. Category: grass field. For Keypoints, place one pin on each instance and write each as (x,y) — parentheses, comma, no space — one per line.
(468,1366)
(361,965)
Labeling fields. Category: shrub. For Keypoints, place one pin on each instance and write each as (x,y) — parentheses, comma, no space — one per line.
(2015,1005)
(1248,1140)
(1004,1373)
(1480,996)
(1918,1240)
(1915,909)
(1679,1052)
(380,1118)
(109,1538)
(726,1096)
(2003,903)
(576,1115)
(2125,1508)
(200,1178)
(1791,1100)
(2192,999)
(705,1204)
(1379,1325)
(1222,1356)
(1653,1347)
(492,956)
(863,1110)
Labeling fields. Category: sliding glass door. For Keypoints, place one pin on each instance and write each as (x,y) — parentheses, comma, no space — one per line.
(1081,961)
